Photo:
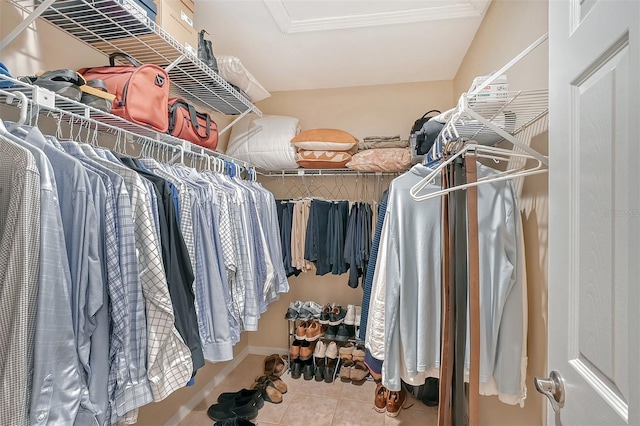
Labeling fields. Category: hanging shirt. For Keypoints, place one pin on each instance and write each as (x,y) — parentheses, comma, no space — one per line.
(56,376)
(128,380)
(19,276)
(177,265)
(169,364)
(81,230)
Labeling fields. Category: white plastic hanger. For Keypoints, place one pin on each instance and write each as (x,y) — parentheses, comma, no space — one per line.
(481,151)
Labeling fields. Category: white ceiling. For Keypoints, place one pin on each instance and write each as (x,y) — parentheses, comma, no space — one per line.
(313,44)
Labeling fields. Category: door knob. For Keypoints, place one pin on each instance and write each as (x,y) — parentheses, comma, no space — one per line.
(553,388)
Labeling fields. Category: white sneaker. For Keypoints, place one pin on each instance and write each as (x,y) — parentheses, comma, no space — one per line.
(332,351)
(313,307)
(321,350)
(350,319)
(358,315)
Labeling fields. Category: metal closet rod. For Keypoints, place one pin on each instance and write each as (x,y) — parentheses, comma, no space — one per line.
(90,124)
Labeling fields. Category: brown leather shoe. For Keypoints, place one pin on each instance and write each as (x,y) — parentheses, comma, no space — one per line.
(380,400)
(345,370)
(294,350)
(306,350)
(301,330)
(359,373)
(346,352)
(358,353)
(395,401)
(314,331)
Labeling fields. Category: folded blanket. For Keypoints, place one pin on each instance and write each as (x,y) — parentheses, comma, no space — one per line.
(372,142)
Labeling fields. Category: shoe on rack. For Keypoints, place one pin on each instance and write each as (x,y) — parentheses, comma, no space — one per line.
(301,330)
(346,352)
(395,401)
(244,408)
(314,331)
(324,315)
(320,350)
(380,399)
(358,315)
(332,350)
(296,369)
(314,308)
(308,370)
(294,350)
(306,350)
(319,376)
(337,315)
(292,311)
(344,333)
(358,353)
(330,370)
(345,370)
(331,332)
(359,373)
(350,317)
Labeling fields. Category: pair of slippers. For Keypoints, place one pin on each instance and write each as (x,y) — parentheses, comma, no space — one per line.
(275,365)
(272,388)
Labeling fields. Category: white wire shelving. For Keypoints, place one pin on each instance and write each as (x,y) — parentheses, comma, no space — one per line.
(95,120)
(109,27)
(488,120)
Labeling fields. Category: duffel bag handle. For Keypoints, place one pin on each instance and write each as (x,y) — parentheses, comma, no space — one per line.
(113,56)
(429,112)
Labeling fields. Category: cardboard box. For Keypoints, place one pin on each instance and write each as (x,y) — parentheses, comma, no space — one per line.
(176,18)
(496,90)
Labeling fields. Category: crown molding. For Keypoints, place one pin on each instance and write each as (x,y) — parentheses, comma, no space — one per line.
(473,9)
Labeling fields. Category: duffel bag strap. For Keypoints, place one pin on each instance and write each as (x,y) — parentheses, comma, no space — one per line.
(207,119)
(113,56)
(429,112)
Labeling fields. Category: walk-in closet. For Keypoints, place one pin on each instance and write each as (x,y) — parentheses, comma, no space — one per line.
(286,212)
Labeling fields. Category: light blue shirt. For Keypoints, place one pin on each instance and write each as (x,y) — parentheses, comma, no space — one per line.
(55,395)
(80,225)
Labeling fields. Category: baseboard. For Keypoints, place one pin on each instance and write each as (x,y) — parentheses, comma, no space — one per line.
(262,350)
(207,389)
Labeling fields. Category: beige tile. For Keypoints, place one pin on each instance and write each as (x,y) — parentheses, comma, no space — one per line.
(196,419)
(309,410)
(412,417)
(311,387)
(364,392)
(356,413)
(273,413)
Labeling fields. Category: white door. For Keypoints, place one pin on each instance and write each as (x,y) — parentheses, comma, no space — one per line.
(594,199)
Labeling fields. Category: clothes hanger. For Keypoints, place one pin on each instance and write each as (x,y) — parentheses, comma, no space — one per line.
(481,151)
(23,103)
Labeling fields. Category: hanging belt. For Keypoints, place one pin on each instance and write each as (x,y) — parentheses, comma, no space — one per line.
(474,291)
(446,350)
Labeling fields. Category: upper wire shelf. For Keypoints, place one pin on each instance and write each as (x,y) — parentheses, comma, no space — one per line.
(108,26)
(511,112)
(95,119)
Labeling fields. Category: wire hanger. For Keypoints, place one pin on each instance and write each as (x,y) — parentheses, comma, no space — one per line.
(481,151)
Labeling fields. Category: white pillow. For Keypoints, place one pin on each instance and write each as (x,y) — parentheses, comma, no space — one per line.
(264,141)
(231,69)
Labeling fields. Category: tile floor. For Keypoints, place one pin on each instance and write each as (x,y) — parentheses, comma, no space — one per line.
(311,403)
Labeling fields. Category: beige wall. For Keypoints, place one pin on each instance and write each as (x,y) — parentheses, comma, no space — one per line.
(507,29)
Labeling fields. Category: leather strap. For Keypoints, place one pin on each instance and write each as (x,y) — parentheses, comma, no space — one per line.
(474,291)
(446,350)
